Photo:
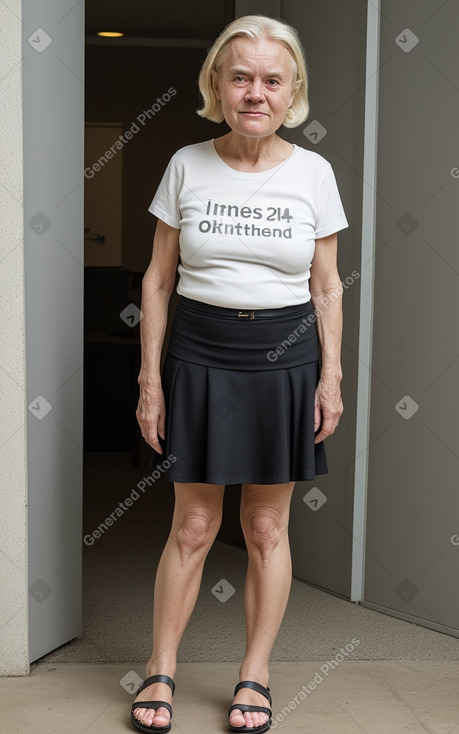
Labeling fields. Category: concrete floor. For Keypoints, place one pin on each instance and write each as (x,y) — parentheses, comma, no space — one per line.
(374,696)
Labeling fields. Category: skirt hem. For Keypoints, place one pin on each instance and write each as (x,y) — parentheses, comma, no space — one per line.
(243,479)
(238,480)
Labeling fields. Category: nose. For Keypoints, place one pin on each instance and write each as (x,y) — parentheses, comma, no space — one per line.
(255,92)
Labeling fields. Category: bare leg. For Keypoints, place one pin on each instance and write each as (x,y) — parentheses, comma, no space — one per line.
(264,519)
(196,520)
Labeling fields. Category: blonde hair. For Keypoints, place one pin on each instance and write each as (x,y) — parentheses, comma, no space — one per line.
(255,27)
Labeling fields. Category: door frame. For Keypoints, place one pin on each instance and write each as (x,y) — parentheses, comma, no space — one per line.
(368,248)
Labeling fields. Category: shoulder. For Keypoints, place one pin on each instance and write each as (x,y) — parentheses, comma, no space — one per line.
(197,152)
(310,158)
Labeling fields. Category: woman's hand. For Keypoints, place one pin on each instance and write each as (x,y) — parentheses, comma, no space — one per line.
(151,415)
(157,286)
(328,407)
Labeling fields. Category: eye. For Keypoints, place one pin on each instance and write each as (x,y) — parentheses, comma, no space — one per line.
(240,79)
(272,82)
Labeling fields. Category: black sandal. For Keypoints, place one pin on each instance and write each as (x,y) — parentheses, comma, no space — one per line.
(246,707)
(152,704)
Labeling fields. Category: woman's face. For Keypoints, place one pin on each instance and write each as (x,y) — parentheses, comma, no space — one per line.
(255,85)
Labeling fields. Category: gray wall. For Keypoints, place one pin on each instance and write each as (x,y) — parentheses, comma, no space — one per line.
(412,549)
(334,37)
(53,85)
(14,639)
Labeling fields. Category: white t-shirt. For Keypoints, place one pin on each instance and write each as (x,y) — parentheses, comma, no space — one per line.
(247,239)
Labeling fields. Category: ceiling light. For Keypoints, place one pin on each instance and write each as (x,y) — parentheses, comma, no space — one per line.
(110,34)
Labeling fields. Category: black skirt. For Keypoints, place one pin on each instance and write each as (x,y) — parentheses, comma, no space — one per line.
(239,391)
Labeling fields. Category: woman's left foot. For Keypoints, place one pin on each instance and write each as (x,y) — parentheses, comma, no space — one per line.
(249,712)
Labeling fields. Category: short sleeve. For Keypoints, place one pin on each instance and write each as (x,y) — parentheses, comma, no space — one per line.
(165,204)
(330,213)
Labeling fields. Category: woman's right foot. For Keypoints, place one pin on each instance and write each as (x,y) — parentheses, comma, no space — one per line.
(154,717)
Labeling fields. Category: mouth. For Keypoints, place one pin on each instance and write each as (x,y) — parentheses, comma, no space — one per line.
(252,113)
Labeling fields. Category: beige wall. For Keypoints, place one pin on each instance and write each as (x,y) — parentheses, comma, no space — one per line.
(13,480)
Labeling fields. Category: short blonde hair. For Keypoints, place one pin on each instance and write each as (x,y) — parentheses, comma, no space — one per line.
(255,27)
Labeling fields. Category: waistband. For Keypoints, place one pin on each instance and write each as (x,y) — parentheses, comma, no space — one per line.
(214,336)
(242,314)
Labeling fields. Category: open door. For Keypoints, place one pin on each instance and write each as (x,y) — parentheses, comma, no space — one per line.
(53,84)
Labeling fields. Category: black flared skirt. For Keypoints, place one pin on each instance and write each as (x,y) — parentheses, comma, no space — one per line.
(239,391)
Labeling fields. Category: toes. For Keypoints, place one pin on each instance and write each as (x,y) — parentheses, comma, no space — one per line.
(145,716)
(258,719)
(248,716)
(236,718)
(159,717)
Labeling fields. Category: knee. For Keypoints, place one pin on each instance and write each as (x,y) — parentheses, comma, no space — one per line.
(197,529)
(264,529)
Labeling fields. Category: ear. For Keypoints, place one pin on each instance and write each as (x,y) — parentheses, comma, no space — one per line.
(214,80)
(296,86)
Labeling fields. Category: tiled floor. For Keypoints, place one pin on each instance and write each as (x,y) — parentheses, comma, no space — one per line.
(378,697)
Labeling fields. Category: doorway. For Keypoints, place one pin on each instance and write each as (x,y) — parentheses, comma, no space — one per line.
(156,113)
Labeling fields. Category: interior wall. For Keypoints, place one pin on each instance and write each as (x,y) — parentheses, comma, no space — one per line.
(103,194)
(413,503)
(334,38)
(14,653)
(123,85)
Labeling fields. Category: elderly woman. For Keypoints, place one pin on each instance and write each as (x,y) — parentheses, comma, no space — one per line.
(241,398)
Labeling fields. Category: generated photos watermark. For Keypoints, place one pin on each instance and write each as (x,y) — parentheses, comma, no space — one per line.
(90,538)
(131,682)
(274,354)
(142,119)
(315,681)
(223,590)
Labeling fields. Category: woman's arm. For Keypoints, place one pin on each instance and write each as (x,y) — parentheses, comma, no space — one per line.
(326,297)
(157,286)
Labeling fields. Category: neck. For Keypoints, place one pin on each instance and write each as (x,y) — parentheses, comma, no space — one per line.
(251,151)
